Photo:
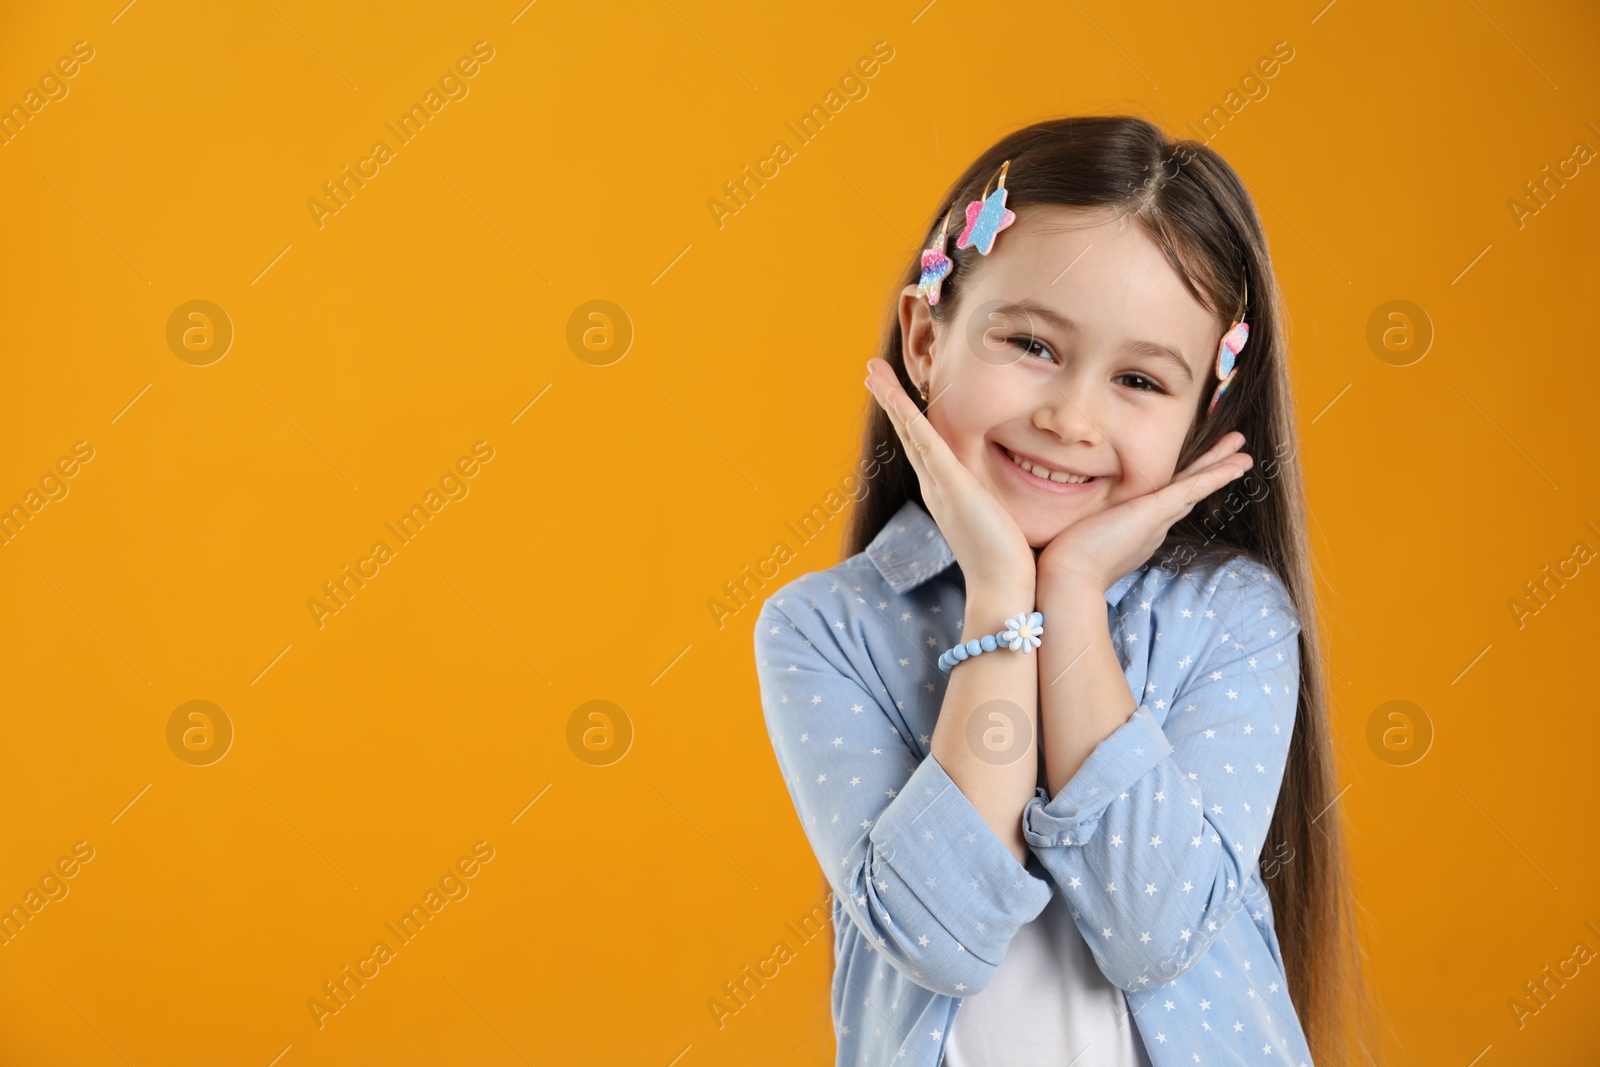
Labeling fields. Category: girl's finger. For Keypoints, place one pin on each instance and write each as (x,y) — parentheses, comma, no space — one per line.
(929,452)
(927,447)
(1225,446)
(1186,492)
(887,392)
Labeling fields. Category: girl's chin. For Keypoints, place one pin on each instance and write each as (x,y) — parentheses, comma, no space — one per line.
(1041,525)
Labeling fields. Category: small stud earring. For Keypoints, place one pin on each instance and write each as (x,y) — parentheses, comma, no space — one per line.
(924,390)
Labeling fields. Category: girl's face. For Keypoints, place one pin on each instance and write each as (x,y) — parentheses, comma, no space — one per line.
(1074,345)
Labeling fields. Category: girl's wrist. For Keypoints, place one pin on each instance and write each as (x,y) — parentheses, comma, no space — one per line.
(990,604)
(1060,577)
(1067,590)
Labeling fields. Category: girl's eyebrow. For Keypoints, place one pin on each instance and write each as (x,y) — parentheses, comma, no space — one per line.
(1033,309)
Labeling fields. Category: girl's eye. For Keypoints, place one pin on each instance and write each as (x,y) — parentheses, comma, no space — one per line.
(1029,344)
(1150,385)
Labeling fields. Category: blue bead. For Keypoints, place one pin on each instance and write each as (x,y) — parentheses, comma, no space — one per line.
(1036,619)
(973,647)
(959,653)
(988,643)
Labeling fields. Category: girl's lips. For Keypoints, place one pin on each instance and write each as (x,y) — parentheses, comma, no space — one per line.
(1043,485)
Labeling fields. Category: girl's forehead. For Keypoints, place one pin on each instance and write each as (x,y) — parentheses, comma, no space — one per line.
(1051,231)
(1071,254)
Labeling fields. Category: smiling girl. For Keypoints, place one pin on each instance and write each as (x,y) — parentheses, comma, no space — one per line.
(1056,728)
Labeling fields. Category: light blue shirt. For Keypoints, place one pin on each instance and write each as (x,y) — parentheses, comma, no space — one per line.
(1156,842)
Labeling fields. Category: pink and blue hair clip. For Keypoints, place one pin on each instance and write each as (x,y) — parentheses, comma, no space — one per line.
(1232,343)
(1022,634)
(987,216)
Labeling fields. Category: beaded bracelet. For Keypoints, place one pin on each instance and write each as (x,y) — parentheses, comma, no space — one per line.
(1020,635)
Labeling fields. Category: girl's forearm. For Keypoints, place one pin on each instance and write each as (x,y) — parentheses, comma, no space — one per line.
(994,762)
(1083,692)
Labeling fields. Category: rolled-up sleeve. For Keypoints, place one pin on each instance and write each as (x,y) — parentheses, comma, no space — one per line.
(1154,839)
(912,862)
(1132,751)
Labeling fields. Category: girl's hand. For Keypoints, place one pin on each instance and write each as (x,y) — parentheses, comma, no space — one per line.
(1098,550)
(988,544)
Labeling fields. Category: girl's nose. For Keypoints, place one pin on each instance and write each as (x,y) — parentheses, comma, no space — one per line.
(1068,408)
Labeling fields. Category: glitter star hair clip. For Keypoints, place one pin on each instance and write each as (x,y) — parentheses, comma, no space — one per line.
(936,265)
(987,216)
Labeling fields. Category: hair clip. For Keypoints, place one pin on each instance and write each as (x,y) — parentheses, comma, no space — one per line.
(987,216)
(1232,343)
(936,265)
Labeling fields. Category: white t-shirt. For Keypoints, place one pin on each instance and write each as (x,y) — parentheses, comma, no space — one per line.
(1047,1005)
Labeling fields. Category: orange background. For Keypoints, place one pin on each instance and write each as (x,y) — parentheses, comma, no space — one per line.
(434,710)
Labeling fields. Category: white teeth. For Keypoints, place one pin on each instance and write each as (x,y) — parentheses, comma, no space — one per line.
(1045,472)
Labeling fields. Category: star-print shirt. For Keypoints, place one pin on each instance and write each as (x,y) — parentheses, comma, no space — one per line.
(1156,842)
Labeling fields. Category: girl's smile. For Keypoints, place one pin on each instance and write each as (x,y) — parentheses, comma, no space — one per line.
(1031,479)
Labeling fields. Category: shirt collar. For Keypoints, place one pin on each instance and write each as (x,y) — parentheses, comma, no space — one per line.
(909,550)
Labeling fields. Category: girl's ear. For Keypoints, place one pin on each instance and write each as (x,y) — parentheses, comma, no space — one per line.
(918,335)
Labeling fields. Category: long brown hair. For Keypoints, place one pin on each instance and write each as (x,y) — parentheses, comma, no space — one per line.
(1196,209)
